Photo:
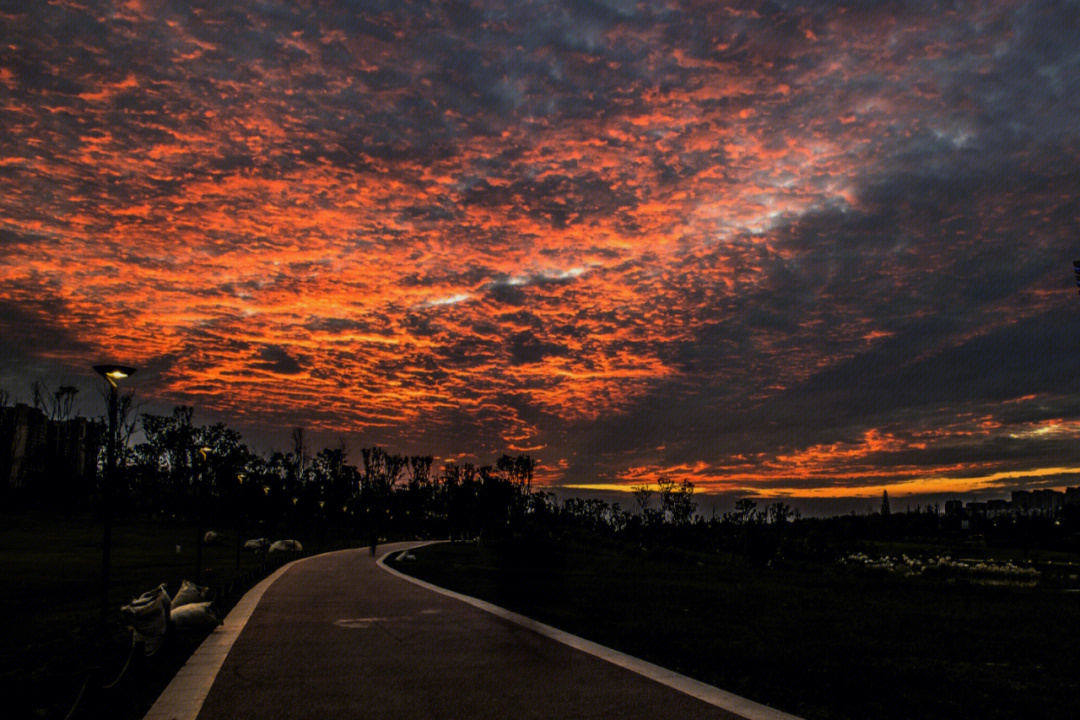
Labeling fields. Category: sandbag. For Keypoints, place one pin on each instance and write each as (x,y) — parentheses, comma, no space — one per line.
(286,546)
(193,616)
(158,592)
(191,593)
(256,544)
(149,615)
(212,538)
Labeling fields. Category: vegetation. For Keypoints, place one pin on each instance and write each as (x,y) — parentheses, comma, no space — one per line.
(817,640)
(887,614)
(49,610)
(180,480)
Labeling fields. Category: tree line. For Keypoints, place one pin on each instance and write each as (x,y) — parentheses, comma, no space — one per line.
(182,471)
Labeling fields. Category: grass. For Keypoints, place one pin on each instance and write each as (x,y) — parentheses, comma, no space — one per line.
(49,610)
(819,642)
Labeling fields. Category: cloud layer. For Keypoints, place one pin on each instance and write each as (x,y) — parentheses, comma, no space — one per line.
(780,247)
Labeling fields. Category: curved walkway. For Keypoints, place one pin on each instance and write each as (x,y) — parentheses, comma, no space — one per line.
(333,636)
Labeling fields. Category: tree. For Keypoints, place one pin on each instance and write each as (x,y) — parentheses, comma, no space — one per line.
(518,470)
(382,470)
(381,473)
(744,513)
(57,405)
(677,504)
(459,491)
(643,495)
(418,492)
(127,420)
(884,503)
(170,451)
(300,455)
(779,513)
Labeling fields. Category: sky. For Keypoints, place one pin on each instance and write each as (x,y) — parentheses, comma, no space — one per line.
(788,249)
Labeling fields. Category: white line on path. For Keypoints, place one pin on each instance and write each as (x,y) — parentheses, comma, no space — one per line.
(706,693)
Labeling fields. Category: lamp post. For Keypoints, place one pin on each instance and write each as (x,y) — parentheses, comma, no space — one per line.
(199,495)
(113,374)
(239,513)
(321,520)
(264,520)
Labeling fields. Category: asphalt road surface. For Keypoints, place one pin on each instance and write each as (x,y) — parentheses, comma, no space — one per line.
(337,637)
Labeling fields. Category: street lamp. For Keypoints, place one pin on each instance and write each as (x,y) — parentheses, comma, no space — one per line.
(322,520)
(199,495)
(113,374)
(239,513)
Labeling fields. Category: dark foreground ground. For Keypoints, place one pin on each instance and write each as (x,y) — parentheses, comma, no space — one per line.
(819,642)
(49,609)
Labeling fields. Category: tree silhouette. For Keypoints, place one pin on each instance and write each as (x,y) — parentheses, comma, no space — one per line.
(643,496)
(779,513)
(300,455)
(518,470)
(419,492)
(170,449)
(380,475)
(127,419)
(677,504)
(57,405)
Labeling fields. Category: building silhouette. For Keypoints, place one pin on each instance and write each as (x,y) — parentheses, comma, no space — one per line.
(40,456)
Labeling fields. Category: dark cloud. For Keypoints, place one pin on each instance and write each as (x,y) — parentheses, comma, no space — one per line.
(277,360)
(525,348)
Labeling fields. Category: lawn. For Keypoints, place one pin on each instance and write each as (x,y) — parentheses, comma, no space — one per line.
(819,642)
(49,609)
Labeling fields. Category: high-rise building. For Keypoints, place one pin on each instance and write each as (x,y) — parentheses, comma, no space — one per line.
(39,454)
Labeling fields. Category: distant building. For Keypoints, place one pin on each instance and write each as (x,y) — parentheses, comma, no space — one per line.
(1039,502)
(22,438)
(1072,495)
(1047,501)
(39,454)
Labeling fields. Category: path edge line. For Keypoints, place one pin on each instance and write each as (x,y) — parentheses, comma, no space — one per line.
(183,698)
(695,688)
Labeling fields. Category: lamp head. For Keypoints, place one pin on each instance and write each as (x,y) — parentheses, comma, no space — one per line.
(114,373)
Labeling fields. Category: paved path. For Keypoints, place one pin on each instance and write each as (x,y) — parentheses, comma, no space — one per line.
(337,637)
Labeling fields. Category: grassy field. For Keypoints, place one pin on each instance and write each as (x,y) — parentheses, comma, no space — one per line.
(49,609)
(817,642)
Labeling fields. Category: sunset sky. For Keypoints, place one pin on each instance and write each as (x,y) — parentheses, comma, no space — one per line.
(809,249)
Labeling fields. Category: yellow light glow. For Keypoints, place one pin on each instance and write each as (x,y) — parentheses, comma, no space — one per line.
(897,488)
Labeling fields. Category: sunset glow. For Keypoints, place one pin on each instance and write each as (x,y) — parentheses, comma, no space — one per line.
(781,249)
